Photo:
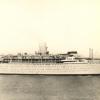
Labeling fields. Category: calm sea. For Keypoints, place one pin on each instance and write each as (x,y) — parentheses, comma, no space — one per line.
(35,87)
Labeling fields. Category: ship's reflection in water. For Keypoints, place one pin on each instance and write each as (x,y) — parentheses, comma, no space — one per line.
(35,87)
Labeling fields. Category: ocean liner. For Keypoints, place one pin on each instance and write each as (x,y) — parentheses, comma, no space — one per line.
(42,62)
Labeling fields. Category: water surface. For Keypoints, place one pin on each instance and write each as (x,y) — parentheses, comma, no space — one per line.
(39,87)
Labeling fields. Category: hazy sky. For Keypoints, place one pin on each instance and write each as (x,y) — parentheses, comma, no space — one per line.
(63,24)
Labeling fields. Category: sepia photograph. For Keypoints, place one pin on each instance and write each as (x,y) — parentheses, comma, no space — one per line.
(49,50)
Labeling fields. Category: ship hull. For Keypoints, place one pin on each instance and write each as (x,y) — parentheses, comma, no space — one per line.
(49,69)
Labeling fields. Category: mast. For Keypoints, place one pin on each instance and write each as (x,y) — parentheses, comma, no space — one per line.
(91,54)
